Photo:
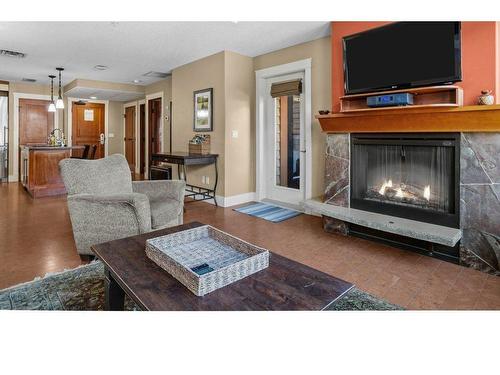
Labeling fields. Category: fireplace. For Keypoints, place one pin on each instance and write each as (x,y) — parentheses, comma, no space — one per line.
(411,175)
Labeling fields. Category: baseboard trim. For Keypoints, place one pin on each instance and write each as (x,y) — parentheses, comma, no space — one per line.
(13,178)
(232,200)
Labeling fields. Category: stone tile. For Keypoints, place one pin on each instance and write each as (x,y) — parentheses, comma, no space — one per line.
(338,145)
(480,222)
(471,170)
(486,147)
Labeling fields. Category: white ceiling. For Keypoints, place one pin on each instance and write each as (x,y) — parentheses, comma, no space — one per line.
(131,49)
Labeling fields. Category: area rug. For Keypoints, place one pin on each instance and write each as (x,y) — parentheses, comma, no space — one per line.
(82,288)
(268,212)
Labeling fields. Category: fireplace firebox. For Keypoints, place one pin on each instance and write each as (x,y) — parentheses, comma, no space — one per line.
(410,175)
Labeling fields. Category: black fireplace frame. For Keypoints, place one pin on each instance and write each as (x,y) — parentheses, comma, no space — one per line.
(414,139)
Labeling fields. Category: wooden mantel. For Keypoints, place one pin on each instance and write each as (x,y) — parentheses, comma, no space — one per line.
(476,118)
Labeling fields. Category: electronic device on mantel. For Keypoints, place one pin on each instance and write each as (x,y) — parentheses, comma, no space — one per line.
(390,100)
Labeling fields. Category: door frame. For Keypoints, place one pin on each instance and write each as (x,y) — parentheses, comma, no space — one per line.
(15,129)
(260,115)
(162,125)
(134,104)
(69,130)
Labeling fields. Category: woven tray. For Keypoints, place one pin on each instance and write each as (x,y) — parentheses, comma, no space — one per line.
(231,258)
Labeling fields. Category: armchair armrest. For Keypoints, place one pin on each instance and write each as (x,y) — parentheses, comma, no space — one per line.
(101,218)
(160,189)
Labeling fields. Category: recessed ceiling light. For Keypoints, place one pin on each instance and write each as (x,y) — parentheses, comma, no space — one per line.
(93,97)
(31,80)
(137,81)
(101,67)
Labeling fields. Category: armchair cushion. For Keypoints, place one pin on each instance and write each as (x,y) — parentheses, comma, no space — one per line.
(101,218)
(166,199)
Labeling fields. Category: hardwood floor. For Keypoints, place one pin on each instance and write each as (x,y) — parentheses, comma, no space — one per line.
(36,238)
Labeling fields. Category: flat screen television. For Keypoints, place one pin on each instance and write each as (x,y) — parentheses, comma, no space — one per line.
(402,55)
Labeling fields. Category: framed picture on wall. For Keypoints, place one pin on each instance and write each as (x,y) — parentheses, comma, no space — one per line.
(203,105)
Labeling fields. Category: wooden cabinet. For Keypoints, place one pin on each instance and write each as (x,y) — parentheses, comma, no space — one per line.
(40,169)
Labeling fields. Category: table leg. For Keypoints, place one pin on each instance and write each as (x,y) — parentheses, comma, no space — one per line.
(115,296)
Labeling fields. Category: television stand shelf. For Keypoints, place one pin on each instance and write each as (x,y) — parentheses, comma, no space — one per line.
(424,97)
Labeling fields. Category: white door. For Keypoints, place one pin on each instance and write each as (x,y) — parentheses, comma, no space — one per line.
(284,144)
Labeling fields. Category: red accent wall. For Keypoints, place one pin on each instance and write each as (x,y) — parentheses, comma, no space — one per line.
(479,58)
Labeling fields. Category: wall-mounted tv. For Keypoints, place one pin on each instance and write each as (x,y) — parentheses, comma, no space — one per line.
(402,55)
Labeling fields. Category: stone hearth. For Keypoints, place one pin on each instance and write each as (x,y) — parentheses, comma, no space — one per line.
(479,195)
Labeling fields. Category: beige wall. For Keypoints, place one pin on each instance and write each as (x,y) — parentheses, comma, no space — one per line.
(239,116)
(115,126)
(164,86)
(319,51)
(201,74)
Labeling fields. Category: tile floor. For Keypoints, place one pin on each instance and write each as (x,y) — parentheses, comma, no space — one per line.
(36,238)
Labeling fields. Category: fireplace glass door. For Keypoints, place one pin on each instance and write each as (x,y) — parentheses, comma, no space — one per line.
(407,177)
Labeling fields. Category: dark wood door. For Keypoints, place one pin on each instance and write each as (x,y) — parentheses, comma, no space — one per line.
(142,145)
(130,137)
(154,119)
(35,121)
(88,126)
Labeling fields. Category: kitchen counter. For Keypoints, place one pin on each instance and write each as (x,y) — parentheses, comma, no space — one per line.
(40,168)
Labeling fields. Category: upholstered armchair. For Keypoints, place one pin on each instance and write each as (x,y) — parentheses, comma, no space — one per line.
(105,204)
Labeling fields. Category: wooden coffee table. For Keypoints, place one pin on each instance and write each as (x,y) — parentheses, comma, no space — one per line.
(284,285)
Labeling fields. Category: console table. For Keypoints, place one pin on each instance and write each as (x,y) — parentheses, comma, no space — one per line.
(183,159)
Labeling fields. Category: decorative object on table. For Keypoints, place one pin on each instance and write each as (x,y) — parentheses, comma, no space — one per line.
(486,98)
(324,111)
(268,212)
(205,259)
(200,144)
(203,110)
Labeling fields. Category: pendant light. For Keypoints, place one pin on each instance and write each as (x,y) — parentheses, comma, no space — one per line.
(60,102)
(52,106)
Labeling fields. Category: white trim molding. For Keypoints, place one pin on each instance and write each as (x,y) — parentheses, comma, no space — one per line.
(260,78)
(70,120)
(146,148)
(233,200)
(15,131)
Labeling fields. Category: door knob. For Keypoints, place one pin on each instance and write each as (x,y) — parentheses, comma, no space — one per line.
(101,138)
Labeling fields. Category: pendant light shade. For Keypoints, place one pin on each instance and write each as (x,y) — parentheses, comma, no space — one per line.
(52,106)
(60,102)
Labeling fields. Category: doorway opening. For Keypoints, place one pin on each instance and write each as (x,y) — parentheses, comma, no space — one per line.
(88,127)
(142,143)
(129,136)
(283,134)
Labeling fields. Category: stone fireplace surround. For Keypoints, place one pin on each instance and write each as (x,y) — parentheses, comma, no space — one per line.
(479,194)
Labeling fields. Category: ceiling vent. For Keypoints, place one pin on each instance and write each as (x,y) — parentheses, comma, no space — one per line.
(157,74)
(5,52)
(31,80)
(101,67)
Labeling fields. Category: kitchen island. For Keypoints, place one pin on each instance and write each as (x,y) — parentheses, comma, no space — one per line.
(40,168)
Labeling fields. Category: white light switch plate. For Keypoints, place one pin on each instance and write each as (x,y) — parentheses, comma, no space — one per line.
(234,133)
(111,135)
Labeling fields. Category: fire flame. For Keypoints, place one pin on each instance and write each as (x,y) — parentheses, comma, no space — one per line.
(427,192)
(399,193)
(385,185)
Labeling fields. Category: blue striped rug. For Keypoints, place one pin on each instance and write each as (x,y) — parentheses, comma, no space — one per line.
(268,212)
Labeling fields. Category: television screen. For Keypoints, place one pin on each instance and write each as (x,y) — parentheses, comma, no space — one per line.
(402,55)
